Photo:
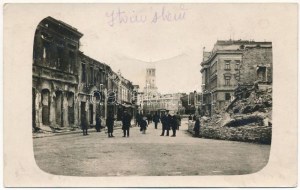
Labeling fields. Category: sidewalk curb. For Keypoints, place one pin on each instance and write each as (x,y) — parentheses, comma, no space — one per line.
(74,132)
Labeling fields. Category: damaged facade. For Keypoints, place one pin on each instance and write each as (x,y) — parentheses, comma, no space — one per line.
(68,85)
(231,64)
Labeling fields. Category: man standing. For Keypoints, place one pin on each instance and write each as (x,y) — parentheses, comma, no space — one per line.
(84,125)
(98,123)
(164,123)
(178,120)
(166,120)
(126,122)
(197,127)
(174,125)
(156,119)
(110,124)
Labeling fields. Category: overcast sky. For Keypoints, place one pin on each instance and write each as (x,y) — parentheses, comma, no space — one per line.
(174,47)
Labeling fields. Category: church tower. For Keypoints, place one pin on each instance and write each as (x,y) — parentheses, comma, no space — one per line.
(150,86)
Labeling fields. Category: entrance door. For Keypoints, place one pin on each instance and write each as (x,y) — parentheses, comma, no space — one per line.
(45,106)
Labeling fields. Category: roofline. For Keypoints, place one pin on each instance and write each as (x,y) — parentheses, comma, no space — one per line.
(65,25)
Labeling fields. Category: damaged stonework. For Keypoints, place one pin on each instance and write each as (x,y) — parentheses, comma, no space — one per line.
(248,118)
(69,86)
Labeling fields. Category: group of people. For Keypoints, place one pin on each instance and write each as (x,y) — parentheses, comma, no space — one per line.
(110,120)
(169,121)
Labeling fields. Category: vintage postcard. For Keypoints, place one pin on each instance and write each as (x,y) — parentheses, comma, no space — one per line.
(150,95)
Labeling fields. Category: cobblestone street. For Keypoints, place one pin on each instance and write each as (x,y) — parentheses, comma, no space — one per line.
(146,154)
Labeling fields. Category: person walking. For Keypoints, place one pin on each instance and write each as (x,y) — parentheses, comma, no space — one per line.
(164,123)
(126,122)
(174,124)
(156,120)
(84,126)
(197,127)
(110,120)
(98,123)
(144,125)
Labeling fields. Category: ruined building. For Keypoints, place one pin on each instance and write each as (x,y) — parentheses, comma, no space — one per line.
(68,85)
(229,65)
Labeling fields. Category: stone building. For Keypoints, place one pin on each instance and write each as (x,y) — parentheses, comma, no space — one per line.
(92,89)
(55,74)
(69,86)
(229,64)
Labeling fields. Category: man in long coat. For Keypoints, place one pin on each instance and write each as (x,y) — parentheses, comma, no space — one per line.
(84,126)
(126,122)
(156,120)
(110,124)
(165,120)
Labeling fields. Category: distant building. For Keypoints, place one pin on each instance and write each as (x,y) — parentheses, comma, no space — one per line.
(229,64)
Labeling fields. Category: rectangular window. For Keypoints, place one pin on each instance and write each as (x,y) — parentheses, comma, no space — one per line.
(60,54)
(227,81)
(71,61)
(227,96)
(237,64)
(91,75)
(83,74)
(227,65)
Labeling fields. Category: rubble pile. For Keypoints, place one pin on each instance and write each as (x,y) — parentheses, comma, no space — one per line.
(248,118)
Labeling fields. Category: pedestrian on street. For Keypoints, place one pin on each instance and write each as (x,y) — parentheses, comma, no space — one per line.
(110,124)
(164,122)
(194,117)
(84,126)
(137,119)
(156,120)
(98,123)
(174,125)
(126,122)
(197,127)
(178,120)
(144,125)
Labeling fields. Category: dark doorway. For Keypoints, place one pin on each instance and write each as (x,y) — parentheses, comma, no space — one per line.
(82,112)
(45,106)
(71,108)
(33,108)
(59,107)
(91,113)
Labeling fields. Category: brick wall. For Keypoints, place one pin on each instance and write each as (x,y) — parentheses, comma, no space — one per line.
(251,59)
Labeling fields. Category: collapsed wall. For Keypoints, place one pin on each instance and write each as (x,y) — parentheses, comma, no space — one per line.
(247,119)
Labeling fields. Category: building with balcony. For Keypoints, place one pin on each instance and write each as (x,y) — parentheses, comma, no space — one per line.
(55,74)
(69,86)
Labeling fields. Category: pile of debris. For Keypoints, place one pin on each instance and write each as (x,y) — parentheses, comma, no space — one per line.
(247,118)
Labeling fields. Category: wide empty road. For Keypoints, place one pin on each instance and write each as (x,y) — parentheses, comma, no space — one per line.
(146,154)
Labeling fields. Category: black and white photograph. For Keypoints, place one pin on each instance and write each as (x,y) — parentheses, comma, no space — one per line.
(153,89)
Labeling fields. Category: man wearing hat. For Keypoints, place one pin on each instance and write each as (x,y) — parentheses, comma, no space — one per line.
(126,122)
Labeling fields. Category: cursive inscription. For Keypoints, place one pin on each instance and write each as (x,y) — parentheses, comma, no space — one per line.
(153,16)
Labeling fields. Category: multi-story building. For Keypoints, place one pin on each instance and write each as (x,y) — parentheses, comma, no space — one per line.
(69,86)
(222,70)
(92,89)
(55,74)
